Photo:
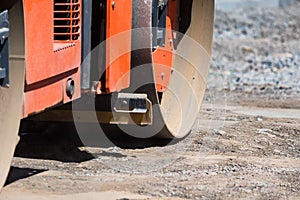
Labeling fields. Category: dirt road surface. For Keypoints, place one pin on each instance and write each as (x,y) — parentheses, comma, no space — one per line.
(233,152)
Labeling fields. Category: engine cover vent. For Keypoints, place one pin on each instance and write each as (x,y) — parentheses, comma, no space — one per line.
(66,20)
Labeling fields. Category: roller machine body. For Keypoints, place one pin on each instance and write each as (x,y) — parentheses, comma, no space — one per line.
(144,62)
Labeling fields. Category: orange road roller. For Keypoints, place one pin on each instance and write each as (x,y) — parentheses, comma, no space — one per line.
(139,65)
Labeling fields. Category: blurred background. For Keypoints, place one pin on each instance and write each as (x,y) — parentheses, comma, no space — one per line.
(257,49)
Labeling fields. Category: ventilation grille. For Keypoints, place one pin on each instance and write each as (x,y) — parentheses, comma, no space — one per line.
(66,20)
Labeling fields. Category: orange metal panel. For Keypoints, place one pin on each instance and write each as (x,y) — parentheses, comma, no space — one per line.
(48,93)
(119,20)
(45,57)
(41,98)
(53,52)
(163,56)
(39,40)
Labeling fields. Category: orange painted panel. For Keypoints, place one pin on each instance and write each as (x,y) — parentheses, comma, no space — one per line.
(39,99)
(118,46)
(163,56)
(50,92)
(45,57)
(163,60)
(52,54)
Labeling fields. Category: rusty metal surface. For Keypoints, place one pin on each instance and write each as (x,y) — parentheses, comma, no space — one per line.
(11,98)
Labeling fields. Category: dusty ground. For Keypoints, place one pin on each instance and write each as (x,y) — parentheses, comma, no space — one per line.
(234,152)
(245,144)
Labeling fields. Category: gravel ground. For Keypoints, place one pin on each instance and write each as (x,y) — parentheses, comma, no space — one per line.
(248,150)
(247,156)
(258,51)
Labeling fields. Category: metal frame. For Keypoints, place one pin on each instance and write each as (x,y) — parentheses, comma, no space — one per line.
(87,6)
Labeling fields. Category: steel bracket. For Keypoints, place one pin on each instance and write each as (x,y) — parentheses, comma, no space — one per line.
(4,50)
(131,103)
